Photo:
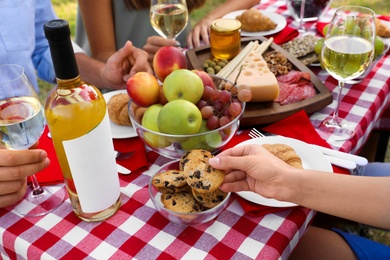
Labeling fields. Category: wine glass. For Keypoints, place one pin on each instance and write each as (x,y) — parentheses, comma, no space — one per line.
(347,52)
(306,11)
(21,124)
(168,17)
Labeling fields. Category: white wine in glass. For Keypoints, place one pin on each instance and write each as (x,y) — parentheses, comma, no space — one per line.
(347,52)
(21,124)
(168,17)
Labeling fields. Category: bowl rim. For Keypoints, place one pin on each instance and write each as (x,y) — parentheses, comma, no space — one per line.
(208,211)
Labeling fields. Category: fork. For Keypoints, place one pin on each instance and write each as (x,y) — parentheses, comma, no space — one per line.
(347,164)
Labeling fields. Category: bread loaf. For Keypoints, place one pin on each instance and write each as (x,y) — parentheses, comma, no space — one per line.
(286,153)
(117,109)
(381,29)
(253,20)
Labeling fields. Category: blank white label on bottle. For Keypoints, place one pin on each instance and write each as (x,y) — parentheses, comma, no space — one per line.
(92,162)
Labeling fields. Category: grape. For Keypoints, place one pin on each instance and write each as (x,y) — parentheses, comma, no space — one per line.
(235,109)
(215,94)
(349,25)
(207,111)
(224,96)
(201,103)
(318,46)
(224,121)
(218,105)
(208,92)
(212,122)
(244,95)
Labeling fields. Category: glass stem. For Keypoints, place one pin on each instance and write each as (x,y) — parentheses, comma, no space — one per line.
(37,189)
(301,15)
(338,101)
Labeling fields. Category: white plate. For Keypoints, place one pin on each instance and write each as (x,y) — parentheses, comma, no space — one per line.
(311,158)
(119,131)
(276,18)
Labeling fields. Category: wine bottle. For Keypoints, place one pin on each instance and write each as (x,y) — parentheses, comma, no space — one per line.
(77,118)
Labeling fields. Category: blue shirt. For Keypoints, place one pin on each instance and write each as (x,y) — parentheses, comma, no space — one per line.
(22,38)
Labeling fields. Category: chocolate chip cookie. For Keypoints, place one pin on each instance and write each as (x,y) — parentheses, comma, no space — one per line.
(199,174)
(183,202)
(170,181)
(209,199)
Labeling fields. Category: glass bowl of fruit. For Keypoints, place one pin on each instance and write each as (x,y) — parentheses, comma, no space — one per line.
(174,127)
(197,209)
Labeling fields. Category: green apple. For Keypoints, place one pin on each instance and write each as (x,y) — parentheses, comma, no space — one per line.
(149,121)
(180,117)
(183,84)
(208,142)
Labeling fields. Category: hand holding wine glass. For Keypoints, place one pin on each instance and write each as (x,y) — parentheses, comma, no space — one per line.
(347,52)
(168,17)
(21,124)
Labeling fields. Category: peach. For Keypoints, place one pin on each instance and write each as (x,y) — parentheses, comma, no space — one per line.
(166,60)
(143,89)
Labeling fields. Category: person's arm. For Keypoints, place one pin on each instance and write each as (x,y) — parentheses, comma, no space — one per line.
(99,25)
(119,67)
(361,199)
(201,31)
(15,166)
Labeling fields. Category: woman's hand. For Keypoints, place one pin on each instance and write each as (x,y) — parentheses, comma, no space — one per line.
(251,168)
(200,34)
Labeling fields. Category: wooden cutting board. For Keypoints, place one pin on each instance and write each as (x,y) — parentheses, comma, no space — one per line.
(261,113)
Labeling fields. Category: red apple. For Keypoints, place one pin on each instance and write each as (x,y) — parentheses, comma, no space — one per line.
(166,60)
(143,89)
(206,78)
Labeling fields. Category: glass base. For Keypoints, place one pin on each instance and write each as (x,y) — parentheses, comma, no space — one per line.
(335,129)
(38,205)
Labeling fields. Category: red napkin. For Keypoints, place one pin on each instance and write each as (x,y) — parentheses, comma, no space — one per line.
(285,35)
(138,161)
(296,126)
(320,27)
(53,174)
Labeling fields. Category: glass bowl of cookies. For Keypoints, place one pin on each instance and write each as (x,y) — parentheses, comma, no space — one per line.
(219,121)
(191,202)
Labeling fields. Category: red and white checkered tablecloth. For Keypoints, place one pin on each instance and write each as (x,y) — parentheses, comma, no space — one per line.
(138,231)
(362,104)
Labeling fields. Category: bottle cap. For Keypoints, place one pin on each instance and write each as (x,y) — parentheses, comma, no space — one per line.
(57,33)
(225,25)
(57,30)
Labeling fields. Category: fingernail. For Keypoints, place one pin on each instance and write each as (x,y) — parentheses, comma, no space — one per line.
(177,44)
(43,155)
(47,162)
(214,161)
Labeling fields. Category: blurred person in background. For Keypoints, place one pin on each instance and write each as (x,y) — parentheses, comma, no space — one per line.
(23,42)
(105,25)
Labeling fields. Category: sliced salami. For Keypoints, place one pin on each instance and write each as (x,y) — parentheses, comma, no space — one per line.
(299,93)
(285,90)
(291,77)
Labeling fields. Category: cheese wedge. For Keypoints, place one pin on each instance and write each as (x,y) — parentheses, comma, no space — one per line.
(256,74)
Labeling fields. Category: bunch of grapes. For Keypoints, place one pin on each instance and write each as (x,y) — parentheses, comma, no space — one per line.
(220,106)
